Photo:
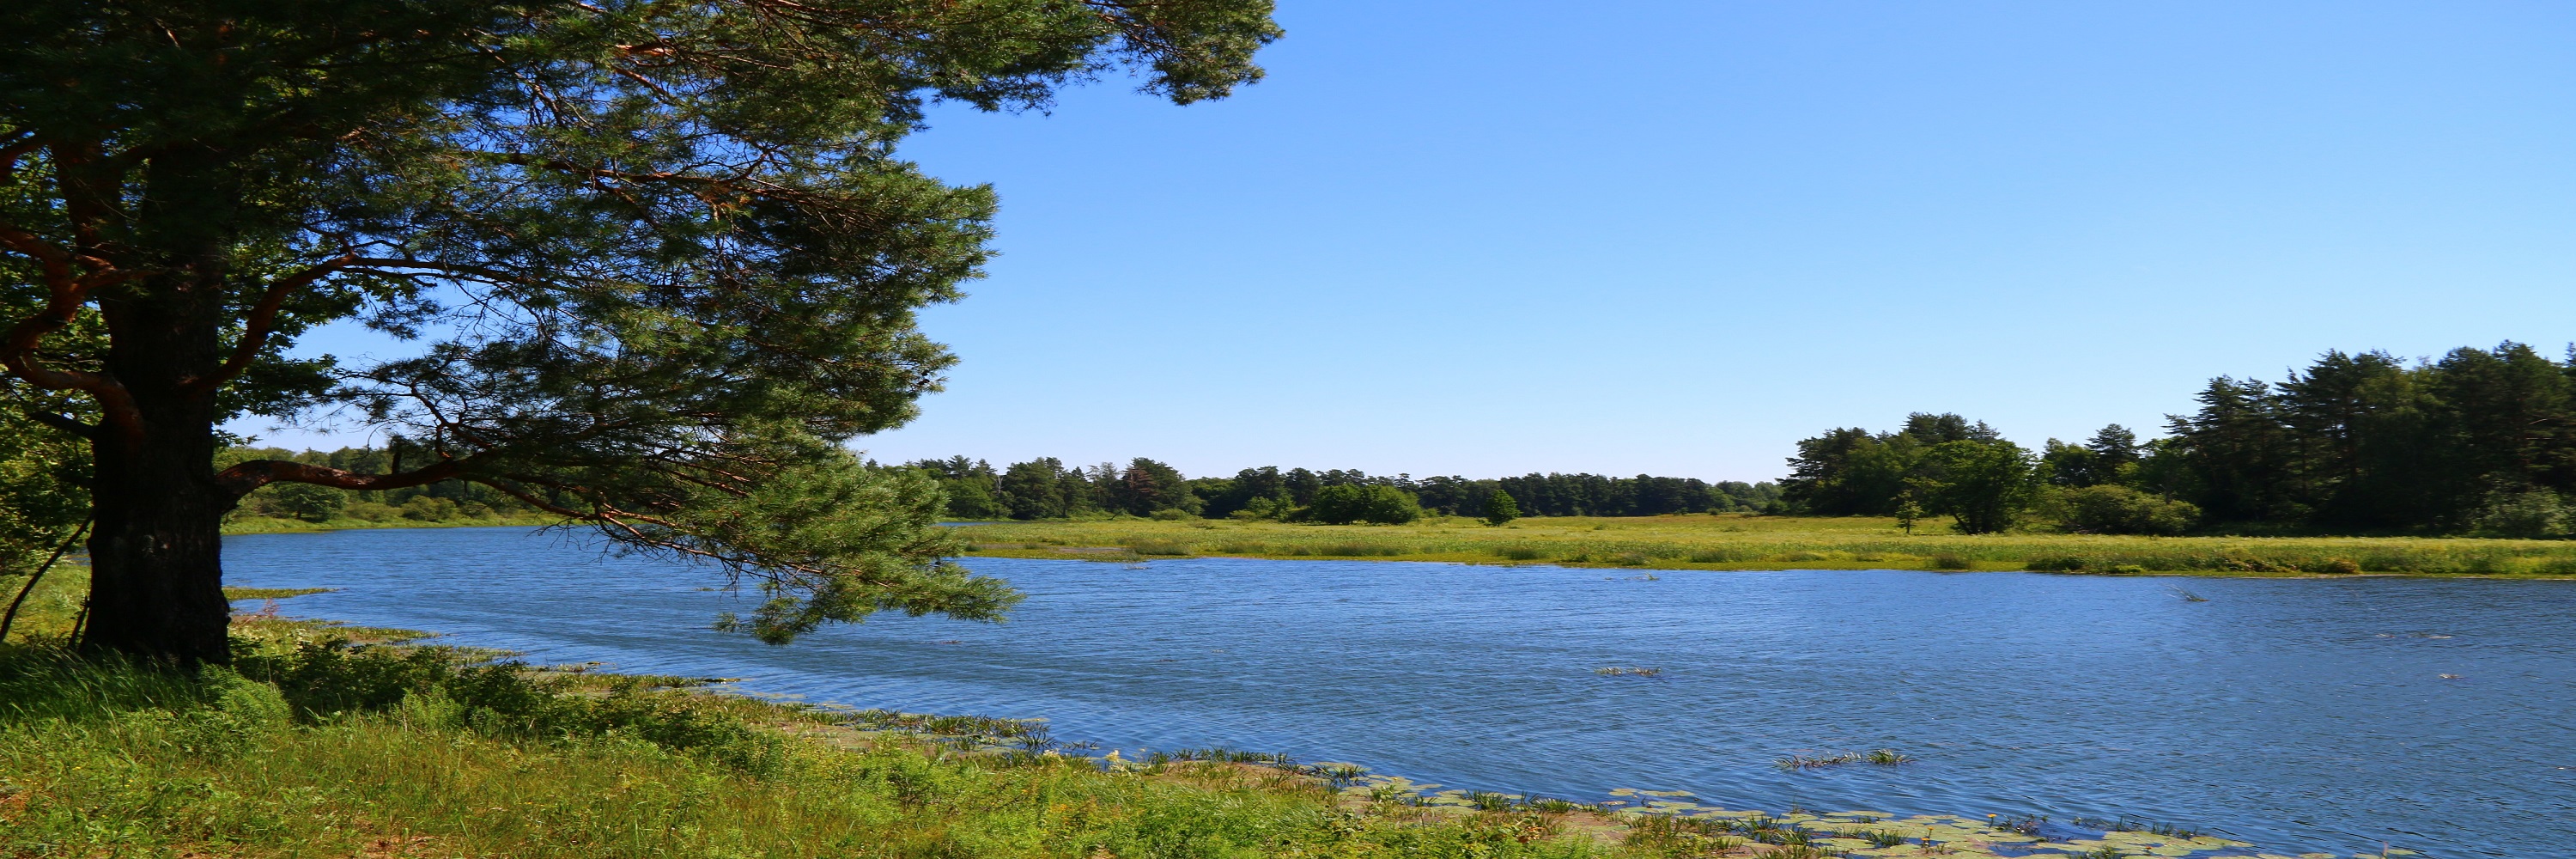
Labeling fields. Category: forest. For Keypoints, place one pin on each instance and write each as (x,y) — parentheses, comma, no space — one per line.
(2477,442)
(1046,488)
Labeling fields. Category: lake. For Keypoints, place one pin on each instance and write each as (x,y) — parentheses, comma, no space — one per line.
(2298,714)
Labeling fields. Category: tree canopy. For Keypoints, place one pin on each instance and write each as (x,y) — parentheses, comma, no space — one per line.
(655,257)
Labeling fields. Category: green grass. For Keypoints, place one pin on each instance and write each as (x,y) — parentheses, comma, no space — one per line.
(1738,541)
(319,749)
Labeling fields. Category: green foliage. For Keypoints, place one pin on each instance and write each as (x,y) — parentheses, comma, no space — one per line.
(312,503)
(1147,487)
(660,257)
(44,495)
(2110,509)
(2481,441)
(1376,505)
(1500,508)
(2530,514)
(329,751)
(2111,456)
(1851,472)
(1985,484)
(834,540)
(1940,464)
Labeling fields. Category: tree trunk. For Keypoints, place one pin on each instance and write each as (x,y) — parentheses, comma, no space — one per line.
(156,565)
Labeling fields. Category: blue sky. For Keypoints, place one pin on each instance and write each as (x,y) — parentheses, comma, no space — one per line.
(1500,237)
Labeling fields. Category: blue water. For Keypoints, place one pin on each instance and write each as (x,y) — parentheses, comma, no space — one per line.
(2305,714)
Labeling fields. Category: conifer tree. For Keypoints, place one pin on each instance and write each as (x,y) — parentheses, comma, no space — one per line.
(660,261)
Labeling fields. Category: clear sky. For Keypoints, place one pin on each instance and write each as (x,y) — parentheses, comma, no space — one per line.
(1490,238)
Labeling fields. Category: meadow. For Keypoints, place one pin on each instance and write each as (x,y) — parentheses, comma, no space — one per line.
(1734,541)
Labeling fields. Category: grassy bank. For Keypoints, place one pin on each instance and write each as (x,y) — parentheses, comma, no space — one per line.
(1738,541)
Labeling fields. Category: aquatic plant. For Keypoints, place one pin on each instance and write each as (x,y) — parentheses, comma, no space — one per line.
(2185,595)
(1883,838)
(1882,757)
(2129,824)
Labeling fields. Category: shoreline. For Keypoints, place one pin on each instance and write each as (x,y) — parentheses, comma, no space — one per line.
(1585,543)
(1624,817)
(1118,554)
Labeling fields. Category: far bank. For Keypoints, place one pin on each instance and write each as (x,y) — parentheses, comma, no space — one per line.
(1735,541)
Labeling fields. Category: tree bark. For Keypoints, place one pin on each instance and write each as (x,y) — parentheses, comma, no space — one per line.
(156,556)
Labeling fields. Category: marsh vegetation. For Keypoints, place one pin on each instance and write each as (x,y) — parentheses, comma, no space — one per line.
(1742,541)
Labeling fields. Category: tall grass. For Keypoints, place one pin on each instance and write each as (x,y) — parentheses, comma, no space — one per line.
(1735,541)
(323,748)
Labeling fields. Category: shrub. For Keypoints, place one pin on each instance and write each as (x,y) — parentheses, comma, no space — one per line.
(424,508)
(2121,510)
(2056,565)
(1947,561)
(2529,515)
(1376,505)
(369,511)
(309,502)
(1500,508)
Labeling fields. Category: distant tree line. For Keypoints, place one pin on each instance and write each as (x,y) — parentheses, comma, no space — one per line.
(2480,442)
(1046,488)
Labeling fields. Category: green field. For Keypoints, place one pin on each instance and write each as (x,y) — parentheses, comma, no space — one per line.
(1750,542)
